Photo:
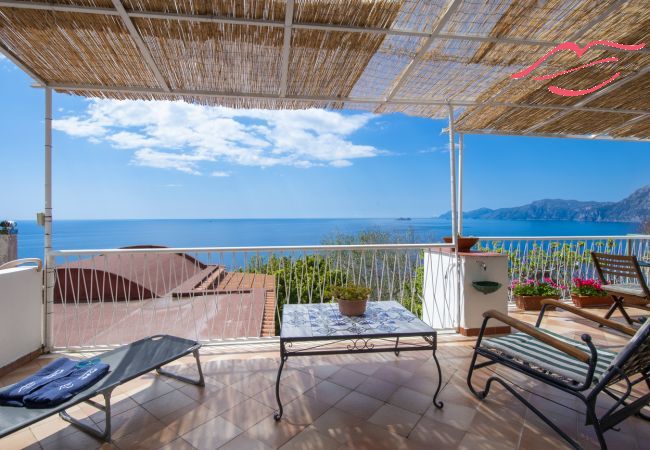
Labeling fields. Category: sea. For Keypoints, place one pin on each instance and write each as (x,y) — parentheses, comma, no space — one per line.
(103,234)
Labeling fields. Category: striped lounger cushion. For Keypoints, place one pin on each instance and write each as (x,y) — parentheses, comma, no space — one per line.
(530,350)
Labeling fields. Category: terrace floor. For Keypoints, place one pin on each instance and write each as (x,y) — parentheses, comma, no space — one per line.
(376,401)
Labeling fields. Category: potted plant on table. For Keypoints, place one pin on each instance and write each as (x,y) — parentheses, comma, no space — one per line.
(530,293)
(352,299)
(587,292)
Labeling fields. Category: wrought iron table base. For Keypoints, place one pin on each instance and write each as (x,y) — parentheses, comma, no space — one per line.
(356,344)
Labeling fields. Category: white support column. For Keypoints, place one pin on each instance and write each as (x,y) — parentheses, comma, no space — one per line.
(460,183)
(454,213)
(49,259)
(452,172)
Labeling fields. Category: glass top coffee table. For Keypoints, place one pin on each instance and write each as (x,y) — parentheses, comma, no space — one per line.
(319,329)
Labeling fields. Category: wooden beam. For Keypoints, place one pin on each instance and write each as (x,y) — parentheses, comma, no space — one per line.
(286,47)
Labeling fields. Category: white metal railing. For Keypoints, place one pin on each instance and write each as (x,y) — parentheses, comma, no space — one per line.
(112,296)
(561,258)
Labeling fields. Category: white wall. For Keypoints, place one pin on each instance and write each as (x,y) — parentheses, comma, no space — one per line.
(21,313)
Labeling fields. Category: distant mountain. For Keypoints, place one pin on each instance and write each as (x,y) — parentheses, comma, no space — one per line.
(635,208)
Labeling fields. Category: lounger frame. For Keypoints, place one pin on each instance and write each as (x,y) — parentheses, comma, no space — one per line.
(106,391)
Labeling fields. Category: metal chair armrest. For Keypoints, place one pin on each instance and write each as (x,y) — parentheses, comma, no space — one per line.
(539,335)
(587,315)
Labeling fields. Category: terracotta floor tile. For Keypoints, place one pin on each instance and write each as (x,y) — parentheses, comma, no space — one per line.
(274,433)
(55,425)
(459,395)
(454,415)
(223,399)
(347,378)
(212,434)
(177,444)
(23,439)
(185,419)
(368,436)
(143,391)
(287,394)
(536,436)
(245,442)
(328,392)
(119,404)
(310,438)
(436,435)
(301,381)
(411,400)
(499,425)
(151,436)
(395,419)
(322,371)
(379,389)
(367,369)
(359,404)
(304,410)
(135,420)
(78,440)
(253,384)
(201,393)
(393,375)
(474,441)
(168,403)
(247,413)
(338,424)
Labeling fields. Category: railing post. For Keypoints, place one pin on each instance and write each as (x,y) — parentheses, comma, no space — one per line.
(49,259)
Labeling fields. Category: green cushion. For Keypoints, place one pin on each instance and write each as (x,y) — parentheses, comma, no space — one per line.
(530,350)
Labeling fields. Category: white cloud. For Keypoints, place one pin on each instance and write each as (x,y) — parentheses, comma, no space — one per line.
(340,163)
(191,138)
(220,174)
(2,57)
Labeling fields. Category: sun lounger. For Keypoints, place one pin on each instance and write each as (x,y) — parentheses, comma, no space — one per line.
(126,363)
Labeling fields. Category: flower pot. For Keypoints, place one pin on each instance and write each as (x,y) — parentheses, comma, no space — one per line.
(465,244)
(591,302)
(532,302)
(352,307)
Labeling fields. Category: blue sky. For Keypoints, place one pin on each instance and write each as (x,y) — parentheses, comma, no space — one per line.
(187,161)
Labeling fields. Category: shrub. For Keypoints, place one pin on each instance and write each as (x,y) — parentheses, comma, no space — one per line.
(8,227)
(587,287)
(350,292)
(545,288)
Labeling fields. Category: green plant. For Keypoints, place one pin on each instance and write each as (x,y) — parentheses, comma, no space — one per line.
(545,288)
(8,227)
(352,292)
(587,287)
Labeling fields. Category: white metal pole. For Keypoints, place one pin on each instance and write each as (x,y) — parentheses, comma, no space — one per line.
(454,212)
(49,259)
(452,171)
(460,183)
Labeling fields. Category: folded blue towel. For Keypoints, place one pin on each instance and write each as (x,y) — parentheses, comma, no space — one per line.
(13,396)
(60,390)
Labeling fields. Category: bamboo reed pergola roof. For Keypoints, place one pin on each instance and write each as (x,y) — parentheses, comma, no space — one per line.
(410,56)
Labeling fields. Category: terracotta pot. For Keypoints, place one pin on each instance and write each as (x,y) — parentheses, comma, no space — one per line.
(532,302)
(465,244)
(352,307)
(590,302)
